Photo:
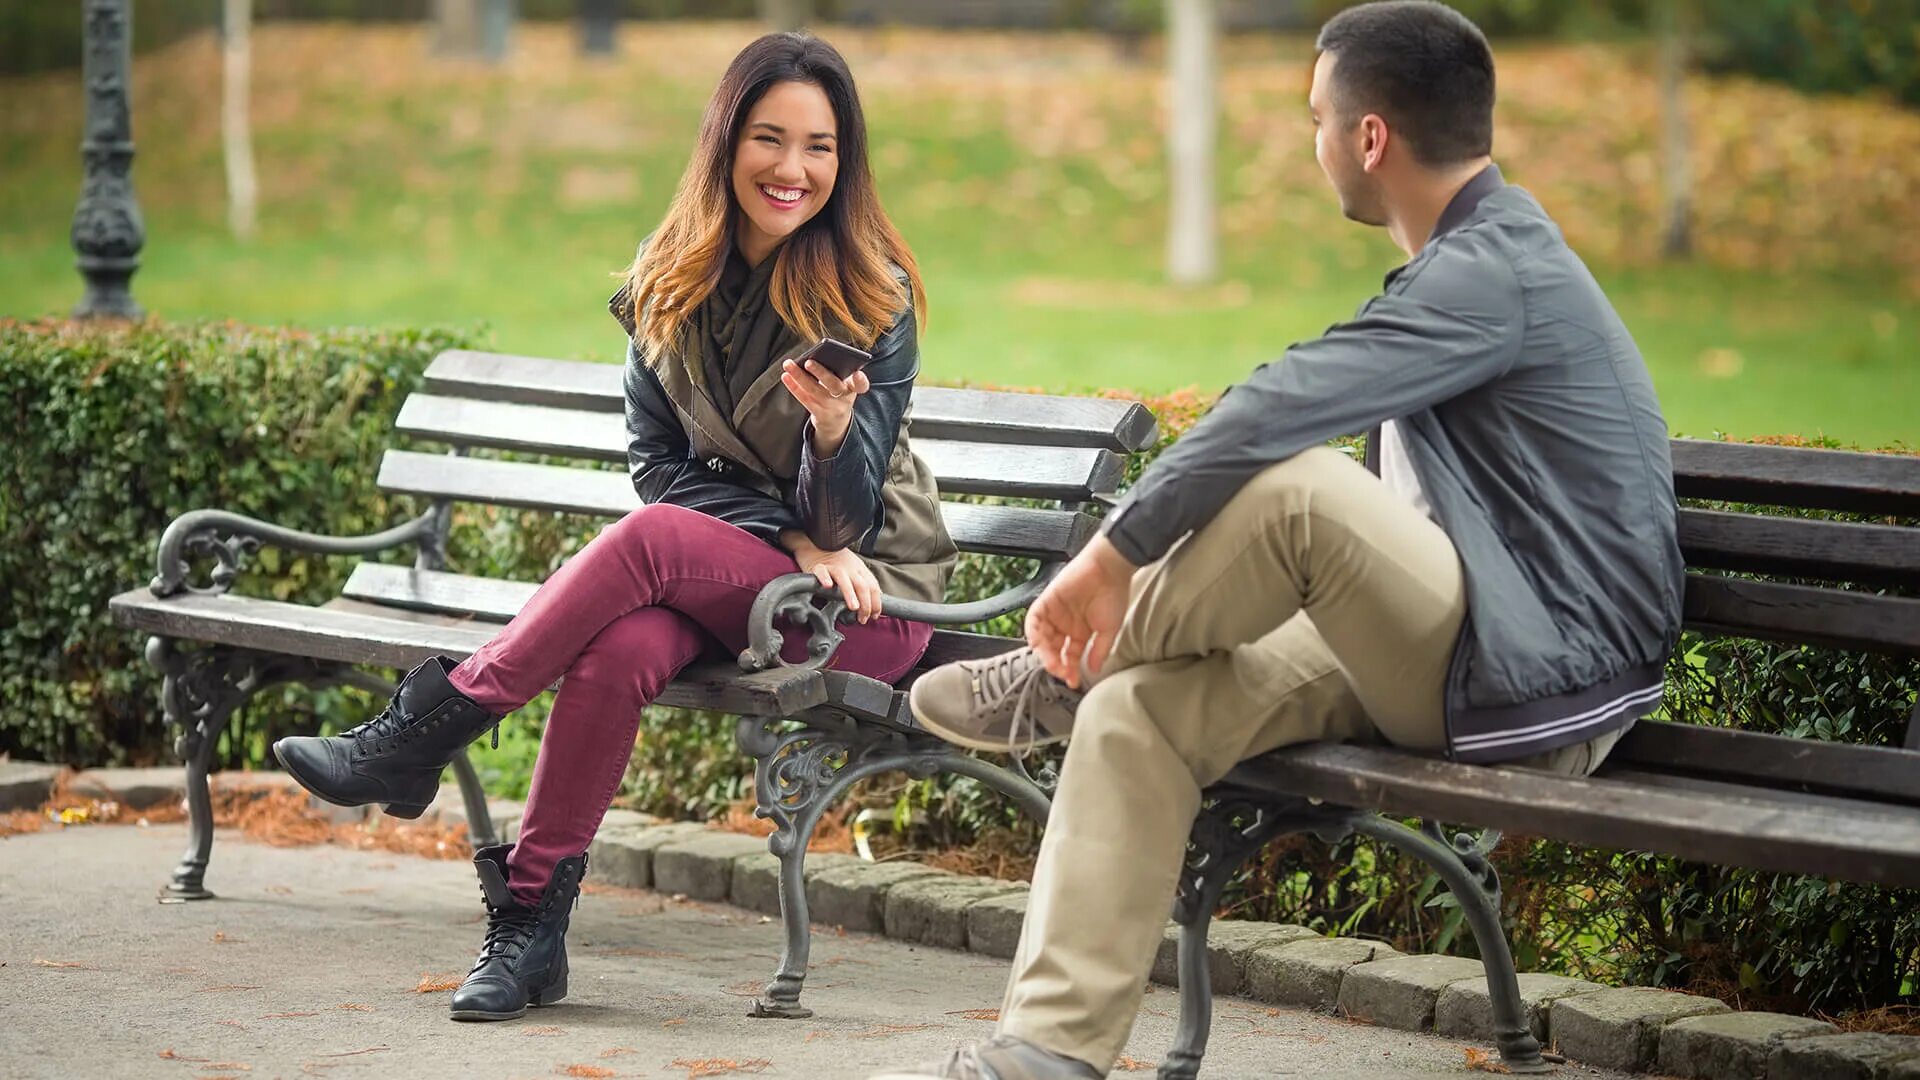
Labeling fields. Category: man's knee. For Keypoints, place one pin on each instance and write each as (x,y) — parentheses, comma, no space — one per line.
(1298,476)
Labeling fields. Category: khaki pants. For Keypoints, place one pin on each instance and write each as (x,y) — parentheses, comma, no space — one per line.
(1318,605)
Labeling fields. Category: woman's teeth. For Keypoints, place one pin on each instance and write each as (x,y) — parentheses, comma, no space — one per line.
(783,194)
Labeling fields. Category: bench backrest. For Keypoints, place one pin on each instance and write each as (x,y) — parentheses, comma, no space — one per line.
(1834,566)
(1061,452)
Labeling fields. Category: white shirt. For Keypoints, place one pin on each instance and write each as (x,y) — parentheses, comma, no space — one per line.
(1397,472)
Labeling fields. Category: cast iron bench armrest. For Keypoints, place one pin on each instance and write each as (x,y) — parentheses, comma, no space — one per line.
(228,538)
(802,600)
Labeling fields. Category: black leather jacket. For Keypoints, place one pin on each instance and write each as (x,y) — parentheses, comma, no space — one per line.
(836,501)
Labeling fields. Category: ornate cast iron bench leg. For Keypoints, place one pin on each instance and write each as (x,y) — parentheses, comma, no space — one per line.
(1225,835)
(199,694)
(798,774)
(1232,829)
(1462,863)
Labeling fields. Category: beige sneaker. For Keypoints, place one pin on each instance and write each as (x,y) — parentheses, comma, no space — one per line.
(1004,703)
(1002,1057)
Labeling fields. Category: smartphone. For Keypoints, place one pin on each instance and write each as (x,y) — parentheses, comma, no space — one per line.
(836,356)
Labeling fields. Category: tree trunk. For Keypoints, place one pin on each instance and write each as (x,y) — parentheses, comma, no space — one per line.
(1192,61)
(236,131)
(599,19)
(1677,230)
(456,27)
(786,14)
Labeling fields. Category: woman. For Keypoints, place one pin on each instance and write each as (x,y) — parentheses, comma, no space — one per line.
(750,465)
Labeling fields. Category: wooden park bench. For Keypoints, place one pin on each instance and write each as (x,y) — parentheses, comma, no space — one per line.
(1844,811)
(813,733)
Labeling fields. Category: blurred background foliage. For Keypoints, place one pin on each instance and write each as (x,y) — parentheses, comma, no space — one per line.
(1842,46)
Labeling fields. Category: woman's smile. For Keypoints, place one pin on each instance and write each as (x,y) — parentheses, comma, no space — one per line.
(781,197)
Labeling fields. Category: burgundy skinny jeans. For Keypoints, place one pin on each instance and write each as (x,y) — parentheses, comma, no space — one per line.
(653,592)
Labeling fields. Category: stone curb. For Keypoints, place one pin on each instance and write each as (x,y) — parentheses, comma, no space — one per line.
(25,784)
(1631,1029)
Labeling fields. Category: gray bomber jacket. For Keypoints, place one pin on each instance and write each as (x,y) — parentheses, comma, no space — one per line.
(1531,421)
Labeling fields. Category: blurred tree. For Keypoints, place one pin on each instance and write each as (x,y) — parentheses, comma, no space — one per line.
(236,131)
(1676,239)
(599,19)
(456,27)
(1130,22)
(1819,45)
(1192,76)
(482,28)
(786,14)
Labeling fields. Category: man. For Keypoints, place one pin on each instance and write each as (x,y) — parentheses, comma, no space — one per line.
(1506,589)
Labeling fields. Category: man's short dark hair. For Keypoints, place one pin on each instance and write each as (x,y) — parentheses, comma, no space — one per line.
(1424,67)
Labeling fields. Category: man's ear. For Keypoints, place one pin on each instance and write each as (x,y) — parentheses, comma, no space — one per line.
(1374,137)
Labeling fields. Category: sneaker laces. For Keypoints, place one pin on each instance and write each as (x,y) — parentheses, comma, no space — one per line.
(1018,682)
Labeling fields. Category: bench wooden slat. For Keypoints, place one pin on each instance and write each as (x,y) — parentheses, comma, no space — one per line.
(1069,474)
(1800,547)
(1797,476)
(1021,531)
(1788,837)
(938,412)
(492,601)
(1780,761)
(1803,613)
(1749,795)
(354,636)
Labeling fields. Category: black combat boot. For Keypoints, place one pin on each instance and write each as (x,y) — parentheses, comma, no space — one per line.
(524,960)
(396,757)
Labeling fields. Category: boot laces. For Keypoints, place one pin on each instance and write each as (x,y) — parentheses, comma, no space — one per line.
(1017,686)
(390,721)
(509,932)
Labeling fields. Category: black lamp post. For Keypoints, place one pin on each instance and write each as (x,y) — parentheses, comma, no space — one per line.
(107,230)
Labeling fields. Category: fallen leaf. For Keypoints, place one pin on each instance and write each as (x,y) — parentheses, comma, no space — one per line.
(354,1053)
(169,1055)
(58,963)
(545,1030)
(675,1022)
(888,1030)
(1132,1064)
(1483,1061)
(698,1067)
(355,1008)
(433,984)
(588,1070)
(977,1014)
(617,1051)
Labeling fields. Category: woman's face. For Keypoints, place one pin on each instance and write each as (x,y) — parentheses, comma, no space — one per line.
(784,164)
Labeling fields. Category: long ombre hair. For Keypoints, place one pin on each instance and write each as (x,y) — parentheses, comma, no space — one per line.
(834,270)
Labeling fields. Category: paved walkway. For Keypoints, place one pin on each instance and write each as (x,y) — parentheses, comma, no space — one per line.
(308,965)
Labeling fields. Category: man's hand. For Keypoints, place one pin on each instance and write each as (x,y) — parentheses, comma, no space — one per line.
(1079,614)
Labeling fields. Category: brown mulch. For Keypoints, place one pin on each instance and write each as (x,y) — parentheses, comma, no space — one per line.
(282,817)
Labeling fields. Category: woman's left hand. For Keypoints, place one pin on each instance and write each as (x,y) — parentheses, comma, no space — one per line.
(827,398)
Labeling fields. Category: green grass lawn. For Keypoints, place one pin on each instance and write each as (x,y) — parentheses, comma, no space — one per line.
(508,203)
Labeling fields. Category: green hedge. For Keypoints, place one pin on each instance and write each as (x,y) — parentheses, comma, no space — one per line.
(115,430)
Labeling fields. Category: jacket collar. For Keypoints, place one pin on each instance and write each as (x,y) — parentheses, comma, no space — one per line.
(1467,200)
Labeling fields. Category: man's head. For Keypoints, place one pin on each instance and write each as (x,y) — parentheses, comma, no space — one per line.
(1401,88)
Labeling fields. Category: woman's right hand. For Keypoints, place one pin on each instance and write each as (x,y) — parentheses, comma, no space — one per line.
(842,570)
